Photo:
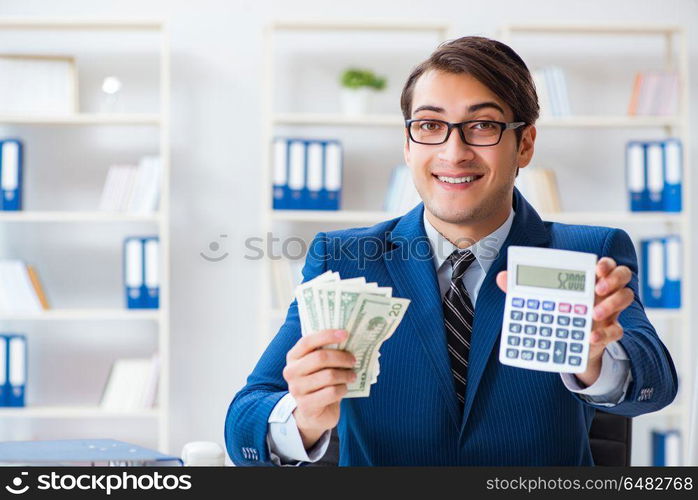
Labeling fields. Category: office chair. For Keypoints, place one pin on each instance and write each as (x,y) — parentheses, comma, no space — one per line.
(610,438)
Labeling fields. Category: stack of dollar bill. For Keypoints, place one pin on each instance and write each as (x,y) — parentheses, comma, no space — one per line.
(369,313)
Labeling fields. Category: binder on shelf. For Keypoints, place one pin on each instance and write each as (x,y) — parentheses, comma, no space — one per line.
(661,272)
(666,448)
(141,272)
(307,174)
(13,369)
(17,355)
(11,166)
(654,171)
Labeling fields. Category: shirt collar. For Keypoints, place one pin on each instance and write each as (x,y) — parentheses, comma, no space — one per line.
(485,250)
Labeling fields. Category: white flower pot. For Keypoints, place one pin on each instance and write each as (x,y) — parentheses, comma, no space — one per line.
(356,101)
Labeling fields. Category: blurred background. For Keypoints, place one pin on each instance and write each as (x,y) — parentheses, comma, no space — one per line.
(143,139)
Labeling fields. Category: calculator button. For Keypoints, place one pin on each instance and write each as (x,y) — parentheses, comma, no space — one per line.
(531,317)
(530,330)
(580,322)
(546,318)
(515,327)
(517,302)
(548,305)
(527,355)
(580,309)
(546,331)
(575,347)
(543,356)
(517,315)
(533,303)
(512,353)
(514,341)
(575,360)
(559,353)
(577,335)
(563,320)
(562,333)
(564,307)
(543,344)
(528,342)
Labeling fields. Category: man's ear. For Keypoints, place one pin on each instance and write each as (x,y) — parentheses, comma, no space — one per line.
(406,148)
(526,147)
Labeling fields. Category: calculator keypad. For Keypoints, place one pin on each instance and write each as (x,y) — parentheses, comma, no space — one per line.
(553,332)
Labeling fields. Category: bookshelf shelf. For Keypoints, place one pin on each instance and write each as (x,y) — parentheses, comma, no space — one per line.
(86,315)
(58,216)
(150,119)
(336,119)
(160,121)
(64,412)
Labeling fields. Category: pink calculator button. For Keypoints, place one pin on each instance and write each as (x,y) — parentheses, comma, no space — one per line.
(580,309)
(564,307)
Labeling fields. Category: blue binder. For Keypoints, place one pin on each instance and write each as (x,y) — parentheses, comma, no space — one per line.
(4,370)
(673,173)
(671,294)
(280,190)
(666,448)
(15,369)
(332,179)
(141,272)
(654,154)
(11,166)
(660,277)
(636,176)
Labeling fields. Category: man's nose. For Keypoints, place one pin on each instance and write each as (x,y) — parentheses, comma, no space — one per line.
(455,150)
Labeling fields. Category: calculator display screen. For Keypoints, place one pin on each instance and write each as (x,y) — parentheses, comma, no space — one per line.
(548,277)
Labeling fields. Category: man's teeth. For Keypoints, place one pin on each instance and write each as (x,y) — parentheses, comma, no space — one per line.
(457,180)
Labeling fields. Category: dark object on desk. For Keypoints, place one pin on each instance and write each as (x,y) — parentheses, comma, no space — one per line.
(81,452)
(610,437)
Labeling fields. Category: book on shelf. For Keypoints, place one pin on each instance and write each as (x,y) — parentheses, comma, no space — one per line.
(307,174)
(132,384)
(133,189)
(401,195)
(141,272)
(660,275)
(11,167)
(666,448)
(654,173)
(20,288)
(655,93)
(551,87)
(286,275)
(13,369)
(539,187)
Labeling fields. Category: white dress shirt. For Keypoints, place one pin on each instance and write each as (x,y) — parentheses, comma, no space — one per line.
(284,440)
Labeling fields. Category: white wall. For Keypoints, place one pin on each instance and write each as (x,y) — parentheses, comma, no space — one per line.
(217,64)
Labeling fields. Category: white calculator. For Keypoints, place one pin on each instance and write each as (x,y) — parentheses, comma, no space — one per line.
(547,314)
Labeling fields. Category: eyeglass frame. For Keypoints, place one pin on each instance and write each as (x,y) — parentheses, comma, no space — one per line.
(503,126)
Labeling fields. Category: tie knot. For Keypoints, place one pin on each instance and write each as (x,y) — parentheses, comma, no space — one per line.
(460,261)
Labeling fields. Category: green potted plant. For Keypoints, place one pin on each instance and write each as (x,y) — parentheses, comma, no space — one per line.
(357,86)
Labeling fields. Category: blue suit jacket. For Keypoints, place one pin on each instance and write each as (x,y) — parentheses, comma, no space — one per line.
(511,416)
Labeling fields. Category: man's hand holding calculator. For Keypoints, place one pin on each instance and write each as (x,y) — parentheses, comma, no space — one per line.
(611,297)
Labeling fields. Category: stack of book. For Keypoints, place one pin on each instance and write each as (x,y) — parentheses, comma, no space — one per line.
(132,384)
(401,196)
(551,87)
(20,288)
(655,93)
(654,175)
(307,174)
(133,189)
(539,187)
(660,277)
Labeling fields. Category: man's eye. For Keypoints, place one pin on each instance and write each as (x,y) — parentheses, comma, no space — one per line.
(484,126)
(430,126)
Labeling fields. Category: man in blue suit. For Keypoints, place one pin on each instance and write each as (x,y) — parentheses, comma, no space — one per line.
(442,397)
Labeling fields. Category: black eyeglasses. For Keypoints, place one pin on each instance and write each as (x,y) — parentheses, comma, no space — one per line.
(472,132)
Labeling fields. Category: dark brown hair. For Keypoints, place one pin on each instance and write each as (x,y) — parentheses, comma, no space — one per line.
(493,64)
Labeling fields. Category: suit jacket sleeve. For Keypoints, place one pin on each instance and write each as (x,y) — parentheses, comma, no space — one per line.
(246,423)
(654,383)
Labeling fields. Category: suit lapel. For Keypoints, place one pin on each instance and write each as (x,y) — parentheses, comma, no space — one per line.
(527,230)
(410,264)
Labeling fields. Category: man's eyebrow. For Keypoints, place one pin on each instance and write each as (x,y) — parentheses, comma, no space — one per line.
(471,109)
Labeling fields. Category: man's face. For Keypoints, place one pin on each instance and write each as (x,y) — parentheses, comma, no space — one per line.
(456,98)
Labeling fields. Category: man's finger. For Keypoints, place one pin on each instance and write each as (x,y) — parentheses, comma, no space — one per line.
(612,304)
(606,334)
(321,359)
(502,281)
(324,397)
(617,278)
(604,266)
(324,378)
(315,341)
